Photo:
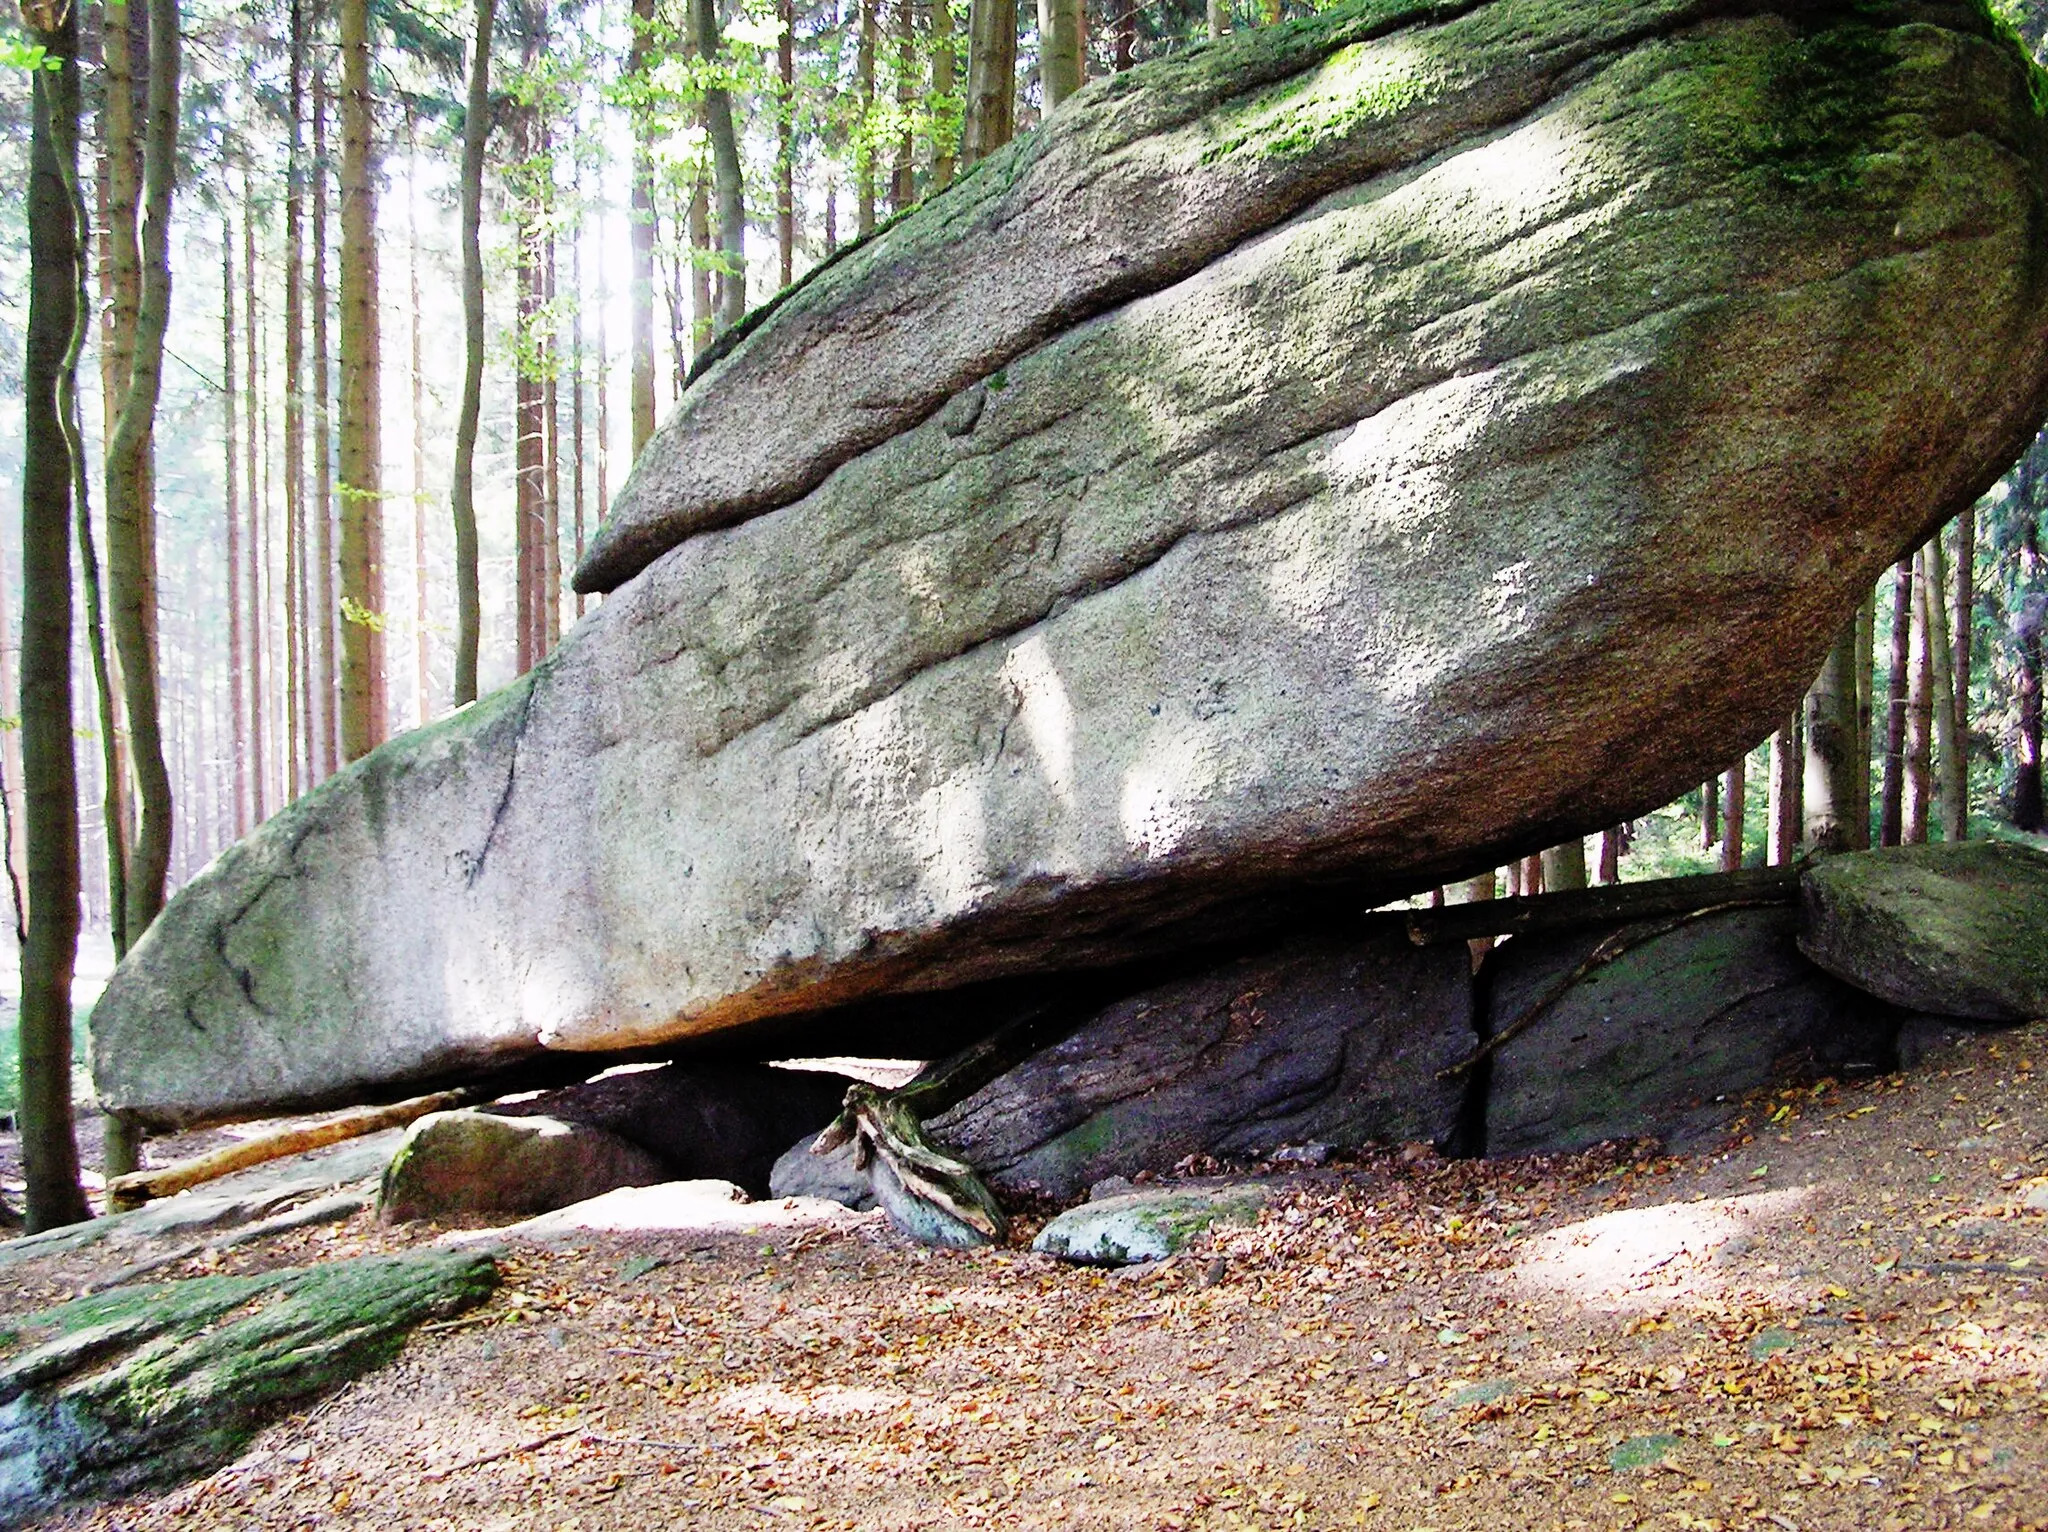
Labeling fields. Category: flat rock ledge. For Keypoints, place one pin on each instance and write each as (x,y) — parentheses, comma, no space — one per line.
(150,1383)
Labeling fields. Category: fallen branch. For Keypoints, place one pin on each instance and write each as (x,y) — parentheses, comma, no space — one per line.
(131,1191)
(435,1475)
(1615,904)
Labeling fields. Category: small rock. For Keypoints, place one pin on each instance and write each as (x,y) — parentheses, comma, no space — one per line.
(2036,1199)
(1146,1226)
(1110,1186)
(834,1176)
(1311,1153)
(1214,1273)
(455,1163)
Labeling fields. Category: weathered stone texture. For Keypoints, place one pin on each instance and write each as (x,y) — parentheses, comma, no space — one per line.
(1497,371)
(454,1164)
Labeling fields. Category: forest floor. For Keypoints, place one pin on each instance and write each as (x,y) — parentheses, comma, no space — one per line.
(1838,1322)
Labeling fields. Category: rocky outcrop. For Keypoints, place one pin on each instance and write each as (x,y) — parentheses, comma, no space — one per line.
(455,1164)
(1312,468)
(144,1384)
(1685,1013)
(1332,1040)
(1955,930)
(1148,1225)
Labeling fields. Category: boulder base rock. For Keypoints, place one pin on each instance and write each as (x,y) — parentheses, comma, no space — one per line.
(1149,1225)
(1951,930)
(800,1173)
(1329,1039)
(145,1384)
(1641,1046)
(1339,454)
(457,1163)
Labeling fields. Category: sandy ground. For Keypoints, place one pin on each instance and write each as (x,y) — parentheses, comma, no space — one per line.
(1837,1323)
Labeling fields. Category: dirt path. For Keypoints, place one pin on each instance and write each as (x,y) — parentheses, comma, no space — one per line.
(1837,1324)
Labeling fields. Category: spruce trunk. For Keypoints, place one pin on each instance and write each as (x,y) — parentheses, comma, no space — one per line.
(362,520)
(476,132)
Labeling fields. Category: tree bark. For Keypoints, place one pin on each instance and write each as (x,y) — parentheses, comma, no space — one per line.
(259,733)
(638,62)
(1786,764)
(785,142)
(49,762)
(1612,843)
(476,133)
(576,366)
(1710,814)
(529,460)
(725,172)
(422,657)
(328,606)
(550,615)
(1919,743)
(1733,807)
(1962,635)
(2027,808)
(989,119)
(1866,687)
(362,509)
(131,519)
(1950,779)
(903,176)
(1832,804)
(1891,815)
(1218,16)
(1061,68)
(1564,866)
(298,687)
(864,87)
(945,68)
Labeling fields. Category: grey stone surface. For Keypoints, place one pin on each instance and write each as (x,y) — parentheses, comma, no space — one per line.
(1641,1046)
(1526,363)
(1329,1039)
(800,1173)
(1147,1225)
(456,1164)
(1954,930)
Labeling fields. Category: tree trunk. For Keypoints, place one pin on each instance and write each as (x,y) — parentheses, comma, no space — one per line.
(1919,743)
(945,135)
(1126,34)
(259,756)
(703,320)
(297,678)
(2027,808)
(550,614)
(529,461)
(13,810)
(903,177)
(785,142)
(1564,866)
(1963,631)
(1061,68)
(1733,806)
(362,511)
(1831,789)
(864,87)
(1786,763)
(1951,779)
(49,763)
(639,60)
(576,377)
(725,172)
(1866,685)
(1218,15)
(326,683)
(476,132)
(1612,844)
(989,117)
(1891,817)
(604,413)
(131,519)
(1710,814)
(422,657)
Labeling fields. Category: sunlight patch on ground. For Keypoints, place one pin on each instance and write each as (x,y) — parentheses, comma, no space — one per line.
(1646,1257)
(832,1402)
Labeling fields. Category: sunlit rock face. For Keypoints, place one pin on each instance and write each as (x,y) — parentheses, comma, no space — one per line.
(1310,468)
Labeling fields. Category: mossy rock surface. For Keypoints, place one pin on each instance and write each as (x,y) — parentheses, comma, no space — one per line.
(1149,1225)
(1950,930)
(153,1382)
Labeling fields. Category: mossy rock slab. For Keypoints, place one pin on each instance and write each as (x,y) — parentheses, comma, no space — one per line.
(1950,930)
(149,1383)
(454,1164)
(1147,1226)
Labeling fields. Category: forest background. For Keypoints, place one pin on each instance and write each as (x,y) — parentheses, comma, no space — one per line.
(349,510)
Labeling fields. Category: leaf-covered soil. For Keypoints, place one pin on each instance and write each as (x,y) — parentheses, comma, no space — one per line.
(1837,1323)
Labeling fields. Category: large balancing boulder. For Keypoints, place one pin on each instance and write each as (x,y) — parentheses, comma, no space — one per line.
(1951,930)
(1326,457)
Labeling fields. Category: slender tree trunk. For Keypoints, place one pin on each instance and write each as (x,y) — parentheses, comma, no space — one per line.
(1710,814)
(327,681)
(13,809)
(1564,866)
(576,366)
(1733,806)
(298,689)
(1866,687)
(362,511)
(703,316)
(604,414)
(529,464)
(1611,847)
(1126,35)
(725,171)
(476,132)
(864,87)
(422,667)
(945,72)
(1061,68)
(49,764)
(1532,875)
(903,177)
(1963,630)
(1832,791)
(1919,743)
(259,755)
(639,60)
(1951,799)
(131,520)
(1786,764)
(989,118)
(1218,14)
(831,213)
(1891,817)
(551,419)
(785,142)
